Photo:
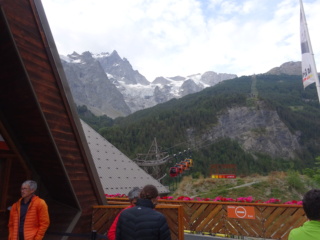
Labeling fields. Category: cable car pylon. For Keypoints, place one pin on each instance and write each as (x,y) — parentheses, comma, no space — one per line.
(153,162)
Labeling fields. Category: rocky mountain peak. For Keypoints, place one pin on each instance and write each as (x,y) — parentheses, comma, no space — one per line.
(188,87)
(289,68)
(77,58)
(161,80)
(73,56)
(211,78)
(114,57)
(108,83)
(177,78)
(121,70)
(91,86)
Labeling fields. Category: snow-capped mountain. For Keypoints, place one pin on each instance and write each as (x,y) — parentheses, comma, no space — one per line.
(107,84)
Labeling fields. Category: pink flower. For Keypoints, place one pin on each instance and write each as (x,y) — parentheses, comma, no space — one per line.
(240,199)
(230,200)
(294,202)
(187,199)
(219,198)
(244,199)
(273,200)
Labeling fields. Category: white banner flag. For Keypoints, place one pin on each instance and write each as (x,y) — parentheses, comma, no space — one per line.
(309,73)
(309,70)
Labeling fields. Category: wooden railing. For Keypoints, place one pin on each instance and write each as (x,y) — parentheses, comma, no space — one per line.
(103,216)
(270,221)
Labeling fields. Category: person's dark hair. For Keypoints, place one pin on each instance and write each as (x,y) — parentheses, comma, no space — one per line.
(149,192)
(134,193)
(311,204)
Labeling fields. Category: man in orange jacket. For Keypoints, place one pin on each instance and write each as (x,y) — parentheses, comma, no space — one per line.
(133,195)
(29,217)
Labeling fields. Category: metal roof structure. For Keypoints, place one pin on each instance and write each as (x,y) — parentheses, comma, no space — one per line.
(117,172)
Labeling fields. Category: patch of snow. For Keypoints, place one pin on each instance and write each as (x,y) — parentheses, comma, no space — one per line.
(110,75)
(77,61)
(196,78)
(100,55)
(137,89)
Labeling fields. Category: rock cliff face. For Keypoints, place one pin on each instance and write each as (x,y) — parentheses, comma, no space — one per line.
(120,69)
(90,86)
(258,130)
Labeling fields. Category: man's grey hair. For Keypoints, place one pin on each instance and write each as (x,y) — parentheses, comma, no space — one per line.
(134,193)
(32,184)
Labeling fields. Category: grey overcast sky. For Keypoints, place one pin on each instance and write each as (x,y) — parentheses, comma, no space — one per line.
(184,37)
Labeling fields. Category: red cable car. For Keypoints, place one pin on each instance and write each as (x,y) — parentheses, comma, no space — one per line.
(174,171)
(190,161)
(185,164)
(180,167)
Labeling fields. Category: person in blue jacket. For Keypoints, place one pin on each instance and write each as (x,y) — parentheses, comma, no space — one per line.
(310,230)
(142,222)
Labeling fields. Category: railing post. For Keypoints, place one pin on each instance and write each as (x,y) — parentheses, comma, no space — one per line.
(94,235)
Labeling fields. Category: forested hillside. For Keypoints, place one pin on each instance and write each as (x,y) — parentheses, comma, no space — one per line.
(180,124)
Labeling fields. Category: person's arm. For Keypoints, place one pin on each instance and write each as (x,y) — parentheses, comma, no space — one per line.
(165,233)
(291,235)
(44,220)
(112,230)
(119,228)
(11,220)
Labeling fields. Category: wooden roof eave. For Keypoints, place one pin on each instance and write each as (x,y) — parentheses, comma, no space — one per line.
(54,59)
(7,128)
(35,97)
